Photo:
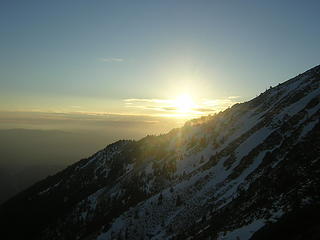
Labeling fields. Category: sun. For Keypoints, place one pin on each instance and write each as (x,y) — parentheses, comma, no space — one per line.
(184,104)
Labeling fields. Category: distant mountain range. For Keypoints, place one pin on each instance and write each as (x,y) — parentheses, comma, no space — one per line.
(249,172)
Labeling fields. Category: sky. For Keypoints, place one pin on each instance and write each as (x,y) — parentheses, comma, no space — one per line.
(145,61)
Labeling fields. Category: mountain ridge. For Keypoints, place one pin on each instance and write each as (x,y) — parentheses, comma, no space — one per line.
(219,177)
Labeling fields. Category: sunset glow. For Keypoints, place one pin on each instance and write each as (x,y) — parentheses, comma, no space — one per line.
(184,104)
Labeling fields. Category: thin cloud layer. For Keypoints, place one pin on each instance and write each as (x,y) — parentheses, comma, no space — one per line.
(167,107)
(136,125)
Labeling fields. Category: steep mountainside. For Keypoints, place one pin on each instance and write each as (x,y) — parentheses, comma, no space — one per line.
(250,171)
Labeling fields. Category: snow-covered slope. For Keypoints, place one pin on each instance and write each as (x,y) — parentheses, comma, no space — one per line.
(219,177)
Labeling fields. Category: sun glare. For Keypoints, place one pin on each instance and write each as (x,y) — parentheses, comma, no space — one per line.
(184,104)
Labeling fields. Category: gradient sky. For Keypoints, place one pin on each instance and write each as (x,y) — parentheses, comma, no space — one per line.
(92,56)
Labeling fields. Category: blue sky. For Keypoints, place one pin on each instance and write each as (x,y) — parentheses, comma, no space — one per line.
(92,56)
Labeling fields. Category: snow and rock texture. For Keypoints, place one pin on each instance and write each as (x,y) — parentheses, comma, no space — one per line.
(246,172)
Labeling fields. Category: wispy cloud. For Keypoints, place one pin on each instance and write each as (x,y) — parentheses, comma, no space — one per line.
(234,97)
(221,103)
(111,59)
(169,107)
(150,100)
(111,124)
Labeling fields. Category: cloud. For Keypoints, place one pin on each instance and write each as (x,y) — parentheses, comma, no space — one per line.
(204,110)
(119,126)
(234,97)
(149,100)
(170,107)
(112,59)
